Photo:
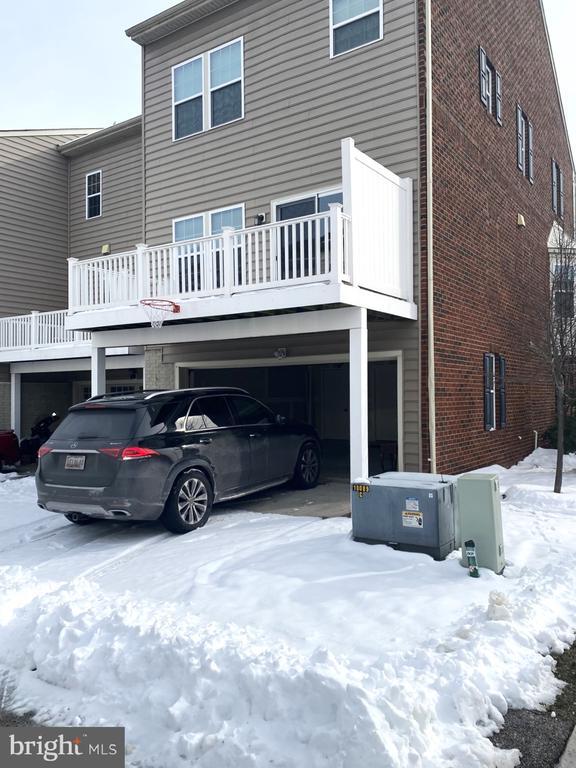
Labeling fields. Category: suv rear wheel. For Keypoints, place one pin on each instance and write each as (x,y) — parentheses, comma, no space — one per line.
(307,469)
(189,504)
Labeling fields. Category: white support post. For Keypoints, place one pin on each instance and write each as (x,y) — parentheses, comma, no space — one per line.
(98,371)
(74,295)
(33,329)
(336,241)
(359,397)
(228,238)
(16,402)
(142,278)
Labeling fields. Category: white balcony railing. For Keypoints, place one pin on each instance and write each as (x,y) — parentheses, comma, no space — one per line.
(306,250)
(37,330)
(368,247)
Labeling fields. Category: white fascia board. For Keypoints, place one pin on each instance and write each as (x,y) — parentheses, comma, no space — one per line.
(377,302)
(264,300)
(70,352)
(243,328)
(113,363)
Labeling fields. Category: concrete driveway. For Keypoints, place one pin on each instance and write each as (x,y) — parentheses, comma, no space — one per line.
(331,498)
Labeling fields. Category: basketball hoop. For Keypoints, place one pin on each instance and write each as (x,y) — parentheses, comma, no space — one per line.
(157,310)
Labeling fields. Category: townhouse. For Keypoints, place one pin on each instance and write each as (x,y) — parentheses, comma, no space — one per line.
(348,205)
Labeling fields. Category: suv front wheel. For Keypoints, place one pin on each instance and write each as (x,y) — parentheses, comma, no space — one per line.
(307,469)
(189,504)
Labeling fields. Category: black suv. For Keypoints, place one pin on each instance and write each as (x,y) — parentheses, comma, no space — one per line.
(170,455)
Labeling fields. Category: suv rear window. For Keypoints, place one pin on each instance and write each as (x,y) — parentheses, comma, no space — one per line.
(97,423)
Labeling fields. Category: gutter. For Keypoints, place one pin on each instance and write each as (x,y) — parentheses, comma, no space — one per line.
(430,244)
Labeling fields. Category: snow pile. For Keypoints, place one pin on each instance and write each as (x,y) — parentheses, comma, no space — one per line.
(267,640)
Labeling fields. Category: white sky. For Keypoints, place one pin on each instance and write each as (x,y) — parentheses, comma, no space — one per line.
(68,63)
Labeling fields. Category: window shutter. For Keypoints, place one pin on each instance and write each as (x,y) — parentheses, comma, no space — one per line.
(488,394)
(520,138)
(554,188)
(561,197)
(499,98)
(483,76)
(501,392)
(530,159)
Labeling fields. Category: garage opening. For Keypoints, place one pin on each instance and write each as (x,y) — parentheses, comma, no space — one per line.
(320,395)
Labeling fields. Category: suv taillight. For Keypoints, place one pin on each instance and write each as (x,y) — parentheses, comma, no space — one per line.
(129,453)
(43,450)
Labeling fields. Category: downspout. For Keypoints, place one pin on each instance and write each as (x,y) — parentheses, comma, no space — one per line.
(430,243)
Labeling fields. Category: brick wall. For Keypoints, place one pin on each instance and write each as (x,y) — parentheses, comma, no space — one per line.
(157,373)
(491,276)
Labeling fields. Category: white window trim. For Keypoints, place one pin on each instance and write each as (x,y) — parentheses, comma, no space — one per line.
(207,217)
(96,194)
(379,10)
(300,196)
(207,90)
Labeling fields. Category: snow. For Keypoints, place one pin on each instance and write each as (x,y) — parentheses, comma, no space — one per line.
(269,640)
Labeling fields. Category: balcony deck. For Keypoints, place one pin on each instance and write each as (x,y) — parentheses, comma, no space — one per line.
(40,336)
(359,254)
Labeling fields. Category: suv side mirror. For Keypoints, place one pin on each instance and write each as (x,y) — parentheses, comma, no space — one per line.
(281,419)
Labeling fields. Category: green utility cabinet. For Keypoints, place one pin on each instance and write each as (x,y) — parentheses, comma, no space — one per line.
(481,518)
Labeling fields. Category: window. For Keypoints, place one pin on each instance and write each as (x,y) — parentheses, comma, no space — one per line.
(207,224)
(490,86)
(215,411)
(354,23)
(557,190)
(93,194)
(494,391)
(563,278)
(169,415)
(524,144)
(208,91)
(250,412)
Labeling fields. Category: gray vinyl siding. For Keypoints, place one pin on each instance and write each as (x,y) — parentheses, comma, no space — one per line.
(33,223)
(298,105)
(389,336)
(120,224)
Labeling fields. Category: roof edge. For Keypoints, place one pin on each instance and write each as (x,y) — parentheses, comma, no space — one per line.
(46,131)
(104,135)
(174,18)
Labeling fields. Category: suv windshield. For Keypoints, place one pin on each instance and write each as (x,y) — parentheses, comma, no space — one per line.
(97,423)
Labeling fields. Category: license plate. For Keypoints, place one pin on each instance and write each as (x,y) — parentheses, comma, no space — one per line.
(75,462)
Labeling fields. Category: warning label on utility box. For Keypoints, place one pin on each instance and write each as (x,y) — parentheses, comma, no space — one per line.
(412,519)
(412,504)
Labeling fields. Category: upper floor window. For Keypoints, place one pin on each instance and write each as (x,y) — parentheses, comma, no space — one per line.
(207,224)
(354,23)
(524,144)
(490,86)
(93,194)
(208,91)
(557,190)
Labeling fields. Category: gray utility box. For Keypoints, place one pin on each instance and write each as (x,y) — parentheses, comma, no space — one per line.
(412,511)
(481,518)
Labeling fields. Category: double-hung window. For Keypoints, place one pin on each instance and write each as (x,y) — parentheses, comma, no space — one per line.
(524,144)
(354,23)
(557,190)
(93,194)
(210,223)
(494,391)
(208,91)
(490,86)
(563,289)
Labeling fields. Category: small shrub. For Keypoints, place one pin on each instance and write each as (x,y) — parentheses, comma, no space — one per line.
(550,437)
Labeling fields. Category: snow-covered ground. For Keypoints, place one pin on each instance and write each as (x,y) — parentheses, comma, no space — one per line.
(266,640)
